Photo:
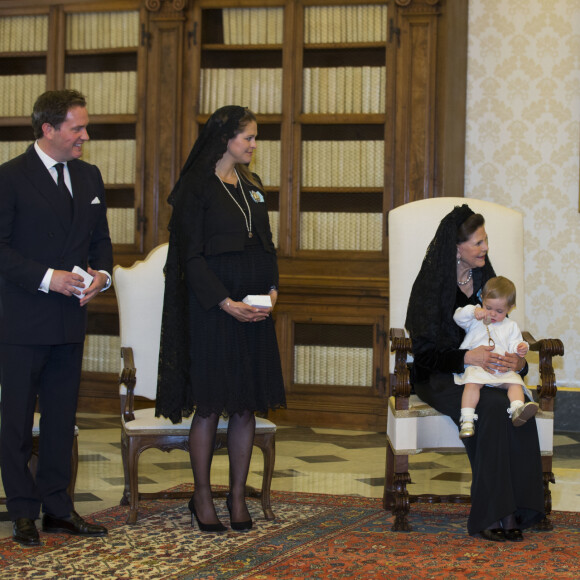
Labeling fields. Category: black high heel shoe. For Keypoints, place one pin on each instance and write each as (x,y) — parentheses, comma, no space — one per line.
(238,526)
(219,527)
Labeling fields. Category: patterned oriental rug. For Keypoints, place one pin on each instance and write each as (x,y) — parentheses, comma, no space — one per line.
(314,536)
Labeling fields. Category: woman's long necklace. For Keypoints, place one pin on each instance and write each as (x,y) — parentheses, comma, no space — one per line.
(467,280)
(248,218)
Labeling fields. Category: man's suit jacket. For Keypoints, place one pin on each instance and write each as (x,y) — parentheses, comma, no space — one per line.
(36,234)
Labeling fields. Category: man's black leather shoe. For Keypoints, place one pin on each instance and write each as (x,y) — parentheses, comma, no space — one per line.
(73,524)
(24,532)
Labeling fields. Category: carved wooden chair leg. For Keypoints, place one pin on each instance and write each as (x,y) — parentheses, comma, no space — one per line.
(401,503)
(396,496)
(546,523)
(124,452)
(267,444)
(132,468)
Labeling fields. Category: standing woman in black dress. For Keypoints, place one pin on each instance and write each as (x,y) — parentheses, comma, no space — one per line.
(218,355)
(507,482)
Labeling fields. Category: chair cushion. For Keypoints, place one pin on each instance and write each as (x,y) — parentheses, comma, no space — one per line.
(146,422)
(421,428)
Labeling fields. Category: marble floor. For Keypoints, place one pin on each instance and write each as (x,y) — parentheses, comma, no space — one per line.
(307,459)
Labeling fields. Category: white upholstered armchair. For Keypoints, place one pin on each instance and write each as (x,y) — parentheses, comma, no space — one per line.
(140,290)
(412,426)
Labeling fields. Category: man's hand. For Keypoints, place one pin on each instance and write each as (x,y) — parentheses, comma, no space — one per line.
(99,282)
(66,283)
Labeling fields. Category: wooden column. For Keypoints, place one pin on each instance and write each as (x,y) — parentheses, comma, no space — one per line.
(416,27)
(163,35)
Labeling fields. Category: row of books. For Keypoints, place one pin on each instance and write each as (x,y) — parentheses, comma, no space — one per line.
(115,158)
(253,25)
(101,30)
(266,162)
(23,33)
(322,24)
(112,93)
(11,149)
(333,365)
(313,364)
(274,218)
(121,224)
(343,163)
(344,24)
(260,89)
(341,231)
(19,93)
(344,89)
(102,354)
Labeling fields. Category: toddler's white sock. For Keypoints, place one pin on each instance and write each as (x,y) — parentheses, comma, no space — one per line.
(513,406)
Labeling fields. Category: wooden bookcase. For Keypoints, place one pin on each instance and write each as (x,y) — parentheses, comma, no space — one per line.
(95,48)
(360,108)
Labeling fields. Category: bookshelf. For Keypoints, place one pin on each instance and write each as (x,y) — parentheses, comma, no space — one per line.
(24,46)
(360,108)
(340,106)
(93,48)
(102,60)
(242,58)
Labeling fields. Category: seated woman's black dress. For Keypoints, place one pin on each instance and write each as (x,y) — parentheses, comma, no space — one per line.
(505,460)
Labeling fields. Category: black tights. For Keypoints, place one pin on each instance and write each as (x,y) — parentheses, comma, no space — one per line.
(241,428)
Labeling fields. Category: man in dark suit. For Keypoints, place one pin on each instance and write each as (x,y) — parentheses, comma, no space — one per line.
(52,218)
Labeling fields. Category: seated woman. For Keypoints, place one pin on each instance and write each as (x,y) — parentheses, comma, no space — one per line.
(507,484)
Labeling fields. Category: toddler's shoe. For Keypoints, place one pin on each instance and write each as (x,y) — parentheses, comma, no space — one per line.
(467,430)
(523,413)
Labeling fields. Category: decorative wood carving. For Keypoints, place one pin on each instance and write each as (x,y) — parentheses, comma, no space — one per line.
(416,4)
(166,6)
(417,78)
(163,112)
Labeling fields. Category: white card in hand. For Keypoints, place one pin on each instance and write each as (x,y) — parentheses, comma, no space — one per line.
(87,279)
(258,300)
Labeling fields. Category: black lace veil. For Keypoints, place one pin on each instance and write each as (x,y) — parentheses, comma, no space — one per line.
(173,392)
(433,296)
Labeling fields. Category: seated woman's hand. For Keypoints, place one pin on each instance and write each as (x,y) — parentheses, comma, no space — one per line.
(484,357)
(510,361)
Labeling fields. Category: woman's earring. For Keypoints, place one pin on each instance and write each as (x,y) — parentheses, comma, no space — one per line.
(458,261)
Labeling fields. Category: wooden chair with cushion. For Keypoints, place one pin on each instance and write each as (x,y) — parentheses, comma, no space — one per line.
(139,292)
(412,426)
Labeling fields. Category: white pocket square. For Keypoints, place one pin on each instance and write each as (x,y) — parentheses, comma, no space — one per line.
(96,200)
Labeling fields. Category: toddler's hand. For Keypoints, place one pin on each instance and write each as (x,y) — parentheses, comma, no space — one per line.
(479,313)
(522,349)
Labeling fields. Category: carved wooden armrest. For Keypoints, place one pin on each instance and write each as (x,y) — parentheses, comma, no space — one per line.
(547,348)
(400,382)
(128,378)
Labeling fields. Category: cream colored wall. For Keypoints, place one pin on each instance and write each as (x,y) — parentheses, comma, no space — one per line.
(523,129)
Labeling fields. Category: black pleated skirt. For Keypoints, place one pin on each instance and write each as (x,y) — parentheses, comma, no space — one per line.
(235,366)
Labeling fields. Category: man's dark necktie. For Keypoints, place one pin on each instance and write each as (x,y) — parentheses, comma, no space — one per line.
(63,188)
